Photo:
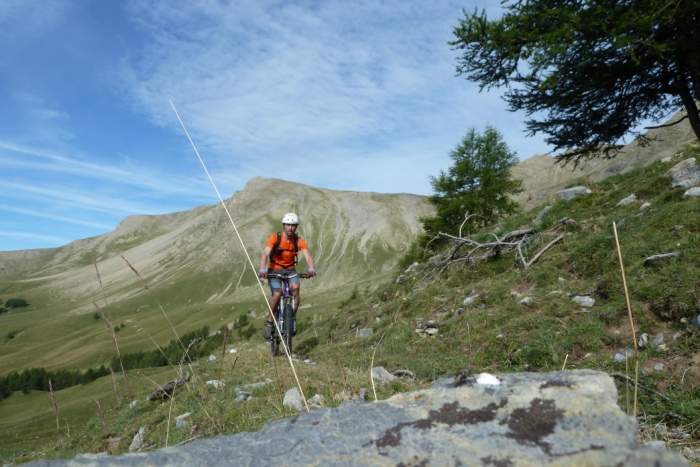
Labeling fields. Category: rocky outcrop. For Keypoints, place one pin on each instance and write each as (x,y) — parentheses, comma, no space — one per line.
(526,419)
(543,176)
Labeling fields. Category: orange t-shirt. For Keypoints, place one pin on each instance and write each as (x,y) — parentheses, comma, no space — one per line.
(286,258)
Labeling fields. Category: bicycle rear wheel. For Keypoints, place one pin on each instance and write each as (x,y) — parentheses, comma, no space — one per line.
(288,331)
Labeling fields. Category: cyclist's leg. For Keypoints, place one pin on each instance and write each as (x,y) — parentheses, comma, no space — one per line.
(294,286)
(276,289)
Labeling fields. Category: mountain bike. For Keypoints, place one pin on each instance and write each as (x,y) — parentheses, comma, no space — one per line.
(284,314)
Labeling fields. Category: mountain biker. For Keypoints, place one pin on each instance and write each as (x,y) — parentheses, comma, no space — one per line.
(283,258)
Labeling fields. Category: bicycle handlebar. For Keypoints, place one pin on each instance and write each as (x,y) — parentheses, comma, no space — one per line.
(277,275)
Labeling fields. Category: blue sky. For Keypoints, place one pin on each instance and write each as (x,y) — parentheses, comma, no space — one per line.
(348,95)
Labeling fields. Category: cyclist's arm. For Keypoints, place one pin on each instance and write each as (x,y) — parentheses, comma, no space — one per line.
(308,258)
(265,256)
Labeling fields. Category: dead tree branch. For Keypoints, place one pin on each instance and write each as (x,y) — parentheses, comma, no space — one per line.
(516,242)
(167,389)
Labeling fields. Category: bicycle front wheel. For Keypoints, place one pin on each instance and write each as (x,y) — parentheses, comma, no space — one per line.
(288,330)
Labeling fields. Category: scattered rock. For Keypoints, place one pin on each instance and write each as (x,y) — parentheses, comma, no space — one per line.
(293,400)
(470,300)
(365,332)
(212,358)
(692,193)
(619,358)
(643,340)
(680,166)
(241,395)
(659,366)
(656,444)
(138,443)
(585,301)
(629,200)
(258,385)
(404,373)
(658,340)
(216,383)
(381,376)
(696,322)
(181,420)
(644,206)
(571,193)
(686,178)
(527,301)
(316,402)
(658,260)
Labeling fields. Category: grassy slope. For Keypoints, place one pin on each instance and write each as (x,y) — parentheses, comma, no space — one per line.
(495,333)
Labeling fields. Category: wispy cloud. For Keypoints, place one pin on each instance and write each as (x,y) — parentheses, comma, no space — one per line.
(343,95)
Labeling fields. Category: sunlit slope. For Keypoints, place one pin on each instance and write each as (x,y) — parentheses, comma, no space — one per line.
(191,268)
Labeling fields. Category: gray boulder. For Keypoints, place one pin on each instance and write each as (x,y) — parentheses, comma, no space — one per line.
(571,193)
(680,166)
(686,178)
(560,418)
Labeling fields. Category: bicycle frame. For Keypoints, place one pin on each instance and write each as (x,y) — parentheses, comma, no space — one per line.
(284,314)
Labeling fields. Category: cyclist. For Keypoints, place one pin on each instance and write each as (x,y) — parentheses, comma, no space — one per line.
(280,255)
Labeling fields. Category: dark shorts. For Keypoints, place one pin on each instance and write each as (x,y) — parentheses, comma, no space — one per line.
(276,284)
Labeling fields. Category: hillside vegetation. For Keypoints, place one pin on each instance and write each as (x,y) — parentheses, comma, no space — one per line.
(488,315)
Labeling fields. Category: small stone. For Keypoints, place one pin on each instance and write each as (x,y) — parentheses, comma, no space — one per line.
(658,340)
(216,383)
(365,332)
(696,322)
(656,444)
(382,376)
(138,442)
(293,400)
(316,402)
(629,200)
(619,358)
(212,358)
(659,366)
(643,340)
(526,301)
(469,300)
(584,301)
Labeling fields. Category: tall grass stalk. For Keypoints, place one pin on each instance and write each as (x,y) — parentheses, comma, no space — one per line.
(55,407)
(245,250)
(147,289)
(110,331)
(629,313)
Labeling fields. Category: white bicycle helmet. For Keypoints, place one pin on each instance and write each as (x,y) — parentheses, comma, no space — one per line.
(290,218)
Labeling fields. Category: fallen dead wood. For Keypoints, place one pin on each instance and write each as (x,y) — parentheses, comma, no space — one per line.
(167,389)
(466,250)
(631,380)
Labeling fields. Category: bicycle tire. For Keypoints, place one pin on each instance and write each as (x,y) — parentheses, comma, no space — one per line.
(288,331)
(275,344)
